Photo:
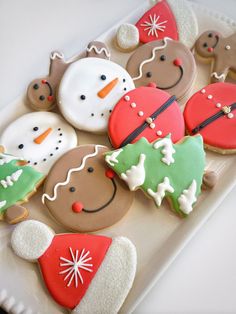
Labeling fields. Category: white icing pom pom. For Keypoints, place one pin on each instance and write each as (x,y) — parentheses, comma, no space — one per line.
(31,239)
(127,36)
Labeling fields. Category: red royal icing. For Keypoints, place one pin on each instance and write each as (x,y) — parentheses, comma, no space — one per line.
(162,16)
(50,261)
(221,132)
(77,207)
(125,118)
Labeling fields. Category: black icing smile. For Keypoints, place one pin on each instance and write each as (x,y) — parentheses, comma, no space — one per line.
(177,82)
(217,40)
(86,210)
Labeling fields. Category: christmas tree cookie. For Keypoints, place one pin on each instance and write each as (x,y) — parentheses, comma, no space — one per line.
(17,183)
(83,273)
(163,169)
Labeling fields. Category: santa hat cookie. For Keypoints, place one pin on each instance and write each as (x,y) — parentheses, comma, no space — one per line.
(83,273)
(212,113)
(145,112)
(172,18)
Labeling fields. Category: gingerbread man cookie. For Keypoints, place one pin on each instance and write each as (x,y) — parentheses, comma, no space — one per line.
(83,273)
(145,112)
(82,193)
(17,183)
(90,89)
(220,51)
(167,63)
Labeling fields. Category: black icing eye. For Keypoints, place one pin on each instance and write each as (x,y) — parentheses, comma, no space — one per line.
(205,45)
(72,189)
(103,77)
(90,169)
(162,57)
(82,97)
(123,80)
(21,146)
(210,35)
(41,97)
(149,74)
(36,86)
(35,128)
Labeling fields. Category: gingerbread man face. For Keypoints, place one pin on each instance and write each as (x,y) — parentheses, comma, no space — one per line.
(167,63)
(220,51)
(82,194)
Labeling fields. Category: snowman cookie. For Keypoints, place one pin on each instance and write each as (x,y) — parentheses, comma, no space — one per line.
(167,63)
(90,88)
(220,51)
(79,270)
(17,183)
(40,138)
(163,169)
(212,113)
(83,194)
(145,112)
(172,18)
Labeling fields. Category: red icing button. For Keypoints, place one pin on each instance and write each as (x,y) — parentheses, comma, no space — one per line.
(50,98)
(210,49)
(110,173)
(177,62)
(44,81)
(152,84)
(77,207)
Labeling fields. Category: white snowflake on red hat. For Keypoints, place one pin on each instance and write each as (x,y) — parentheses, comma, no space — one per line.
(153,26)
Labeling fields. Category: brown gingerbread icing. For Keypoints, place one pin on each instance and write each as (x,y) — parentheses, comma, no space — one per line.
(15,214)
(98,49)
(167,63)
(219,50)
(82,193)
(209,180)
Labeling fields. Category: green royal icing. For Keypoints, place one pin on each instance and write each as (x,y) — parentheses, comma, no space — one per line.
(172,169)
(16,181)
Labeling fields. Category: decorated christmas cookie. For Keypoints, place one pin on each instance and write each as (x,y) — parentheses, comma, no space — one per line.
(163,169)
(82,193)
(90,88)
(145,112)
(17,183)
(83,273)
(172,18)
(97,49)
(127,37)
(41,93)
(167,63)
(212,113)
(40,138)
(218,50)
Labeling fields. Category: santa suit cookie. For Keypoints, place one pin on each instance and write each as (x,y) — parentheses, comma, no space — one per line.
(145,112)
(212,113)
(80,271)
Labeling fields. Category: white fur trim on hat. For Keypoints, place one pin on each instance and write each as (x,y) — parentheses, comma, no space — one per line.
(30,239)
(113,280)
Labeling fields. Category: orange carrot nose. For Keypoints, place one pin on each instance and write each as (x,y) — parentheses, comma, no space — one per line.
(108,88)
(42,137)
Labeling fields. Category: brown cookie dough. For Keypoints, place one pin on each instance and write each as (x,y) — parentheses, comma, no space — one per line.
(220,51)
(82,193)
(167,63)
(97,49)
(15,214)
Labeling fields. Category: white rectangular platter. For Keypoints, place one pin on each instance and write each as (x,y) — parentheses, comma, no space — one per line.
(158,234)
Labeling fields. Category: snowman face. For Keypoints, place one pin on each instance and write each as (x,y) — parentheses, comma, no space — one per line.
(40,138)
(89,90)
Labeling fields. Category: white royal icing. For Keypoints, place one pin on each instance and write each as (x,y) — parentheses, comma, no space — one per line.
(77,169)
(153,25)
(83,77)
(218,76)
(56,54)
(167,151)
(112,159)
(127,36)
(187,198)
(135,176)
(10,180)
(151,59)
(41,156)
(99,50)
(162,188)
(5,159)
(73,266)
(2,204)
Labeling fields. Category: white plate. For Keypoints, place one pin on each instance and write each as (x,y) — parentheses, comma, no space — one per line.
(158,234)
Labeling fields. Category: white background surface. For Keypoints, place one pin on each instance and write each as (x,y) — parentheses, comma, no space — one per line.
(203,277)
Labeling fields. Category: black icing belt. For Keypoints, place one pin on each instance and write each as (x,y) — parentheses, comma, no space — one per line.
(145,124)
(224,111)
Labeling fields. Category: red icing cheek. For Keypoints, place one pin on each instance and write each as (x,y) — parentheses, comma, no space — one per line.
(44,81)
(177,62)
(77,207)
(210,49)
(110,174)
(50,98)
(151,84)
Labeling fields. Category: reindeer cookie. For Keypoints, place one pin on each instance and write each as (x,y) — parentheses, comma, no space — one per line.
(220,51)
(90,88)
